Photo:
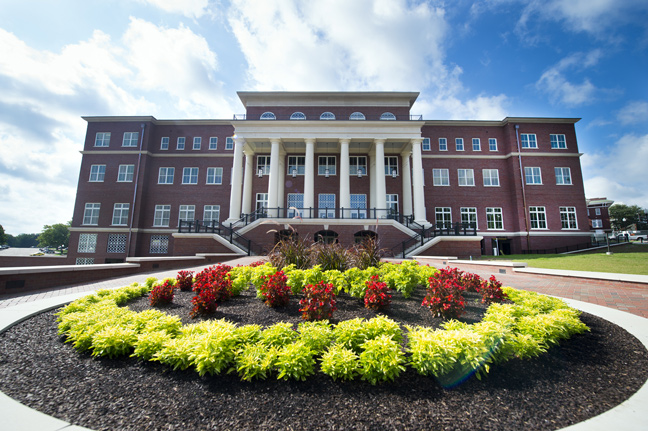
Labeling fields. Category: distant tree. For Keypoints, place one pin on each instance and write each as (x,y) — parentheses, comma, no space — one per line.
(23,240)
(55,235)
(3,236)
(622,216)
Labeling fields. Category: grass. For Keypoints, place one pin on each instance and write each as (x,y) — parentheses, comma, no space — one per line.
(627,259)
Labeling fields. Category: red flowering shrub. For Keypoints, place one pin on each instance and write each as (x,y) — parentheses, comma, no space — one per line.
(471,282)
(204,303)
(162,294)
(211,285)
(377,295)
(444,294)
(255,264)
(491,291)
(318,302)
(274,290)
(184,280)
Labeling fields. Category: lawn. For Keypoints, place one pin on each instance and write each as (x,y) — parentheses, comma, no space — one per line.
(627,259)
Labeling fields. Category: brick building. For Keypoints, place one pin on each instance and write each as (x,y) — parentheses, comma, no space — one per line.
(335,166)
(599,214)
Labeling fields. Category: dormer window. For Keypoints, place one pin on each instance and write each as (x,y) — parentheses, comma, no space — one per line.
(387,116)
(357,116)
(298,116)
(327,116)
(268,116)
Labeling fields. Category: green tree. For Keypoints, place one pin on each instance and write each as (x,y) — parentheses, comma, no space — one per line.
(23,240)
(55,235)
(622,216)
(3,236)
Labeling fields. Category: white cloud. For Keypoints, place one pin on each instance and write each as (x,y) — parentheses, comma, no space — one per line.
(188,8)
(633,113)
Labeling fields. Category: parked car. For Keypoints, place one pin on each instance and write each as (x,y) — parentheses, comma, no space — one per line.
(638,235)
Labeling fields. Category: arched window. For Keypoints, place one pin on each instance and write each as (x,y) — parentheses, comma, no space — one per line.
(357,116)
(363,235)
(387,116)
(326,236)
(327,116)
(298,116)
(268,116)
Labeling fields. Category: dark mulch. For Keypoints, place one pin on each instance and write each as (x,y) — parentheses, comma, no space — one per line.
(579,379)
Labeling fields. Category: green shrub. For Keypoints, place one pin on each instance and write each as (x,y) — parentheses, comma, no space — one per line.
(278,335)
(149,343)
(255,361)
(340,363)
(316,335)
(381,359)
(291,251)
(329,256)
(295,361)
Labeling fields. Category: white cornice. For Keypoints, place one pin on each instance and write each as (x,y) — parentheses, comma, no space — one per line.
(317,98)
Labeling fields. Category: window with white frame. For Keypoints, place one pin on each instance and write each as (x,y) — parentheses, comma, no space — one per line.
(568,217)
(476,144)
(164,143)
(558,141)
(91,214)
(563,176)
(387,116)
(459,144)
(326,205)
(295,205)
(528,140)
(597,211)
(492,144)
(357,116)
(357,164)
(211,213)
(327,116)
(268,116)
(466,177)
(297,163)
(358,206)
(425,144)
(392,203)
(532,175)
(87,243)
(125,173)
(120,214)
(297,116)
(326,163)
(162,215)
(159,244)
(116,243)
(469,216)
(102,139)
(214,175)
(84,261)
(538,217)
(213,143)
(261,201)
(190,176)
(440,177)
(391,165)
(186,213)
(130,139)
(197,142)
(443,215)
(97,173)
(180,144)
(494,219)
(229,143)
(263,164)
(597,223)
(165,175)
(491,177)
(443,144)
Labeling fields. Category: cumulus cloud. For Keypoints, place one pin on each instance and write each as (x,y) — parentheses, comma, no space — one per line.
(634,113)
(188,8)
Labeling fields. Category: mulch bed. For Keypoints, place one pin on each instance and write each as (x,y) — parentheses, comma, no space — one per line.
(577,380)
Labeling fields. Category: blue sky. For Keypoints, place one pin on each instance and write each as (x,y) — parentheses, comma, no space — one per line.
(60,60)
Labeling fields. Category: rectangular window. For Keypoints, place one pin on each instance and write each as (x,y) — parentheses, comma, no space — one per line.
(357,164)
(469,216)
(295,204)
(326,205)
(491,177)
(597,211)
(186,213)
(494,219)
(533,175)
(466,177)
(476,144)
(261,201)
(87,243)
(211,213)
(180,144)
(459,144)
(165,175)
(164,143)
(425,145)
(568,217)
(116,243)
(125,174)
(563,176)
(159,244)
(102,139)
(440,177)
(91,214)
(443,144)
(359,206)
(492,144)
(190,176)
(197,143)
(263,164)
(130,139)
(214,175)
(213,143)
(443,215)
(97,173)
(120,214)
(298,163)
(162,215)
(392,203)
(528,140)
(538,217)
(558,141)
(391,165)
(326,163)
(229,143)
(597,223)
(84,261)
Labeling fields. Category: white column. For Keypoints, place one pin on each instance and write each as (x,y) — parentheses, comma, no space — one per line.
(246,207)
(417,183)
(407,183)
(372,182)
(345,192)
(281,182)
(381,189)
(273,178)
(237,176)
(309,177)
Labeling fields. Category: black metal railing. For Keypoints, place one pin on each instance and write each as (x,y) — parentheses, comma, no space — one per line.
(434,230)
(215,227)
(199,226)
